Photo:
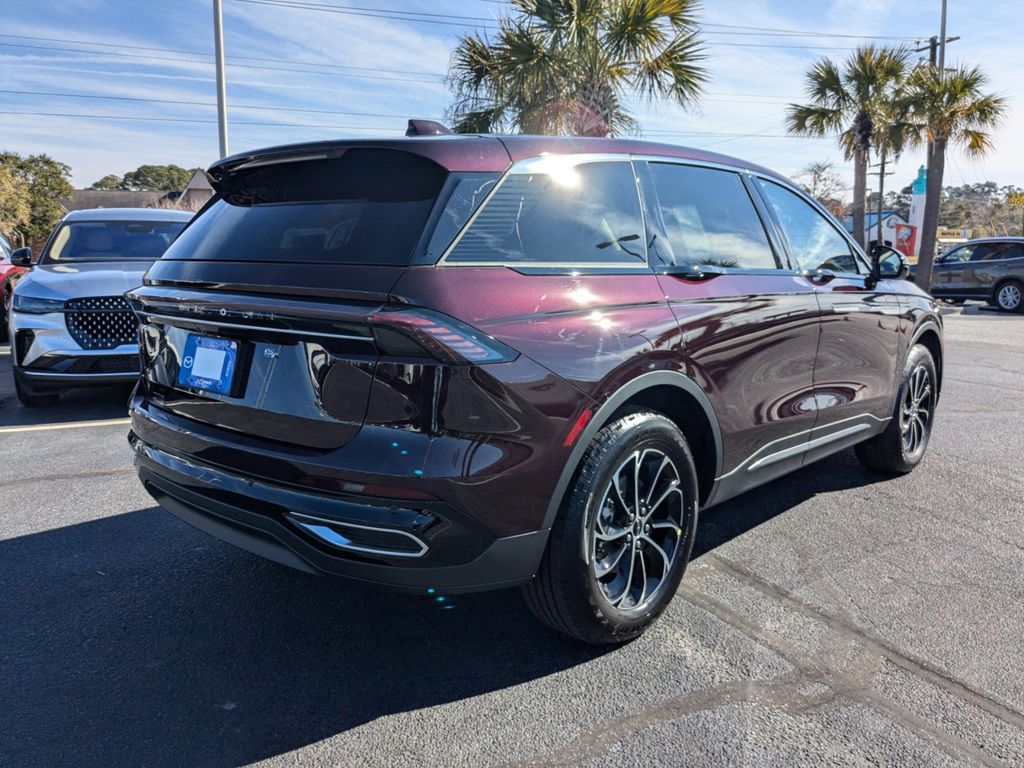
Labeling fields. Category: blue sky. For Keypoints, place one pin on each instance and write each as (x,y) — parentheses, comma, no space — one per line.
(348,74)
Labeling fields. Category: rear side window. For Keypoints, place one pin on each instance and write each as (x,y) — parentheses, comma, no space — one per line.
(813,239)
(708,218)
(368,206)
(989,252)
(588,214)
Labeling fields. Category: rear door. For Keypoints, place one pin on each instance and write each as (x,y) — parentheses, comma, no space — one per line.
(855,371)
(989,265)
(748,321)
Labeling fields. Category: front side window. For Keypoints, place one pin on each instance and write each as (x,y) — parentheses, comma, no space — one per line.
(813,239)
(958,255)
(111,241)
(708,218)
(586,214)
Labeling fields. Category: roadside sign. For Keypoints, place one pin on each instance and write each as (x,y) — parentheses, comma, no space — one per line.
(1017,200)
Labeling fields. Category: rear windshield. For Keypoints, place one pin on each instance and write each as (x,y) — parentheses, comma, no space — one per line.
(368,206)
(111,241)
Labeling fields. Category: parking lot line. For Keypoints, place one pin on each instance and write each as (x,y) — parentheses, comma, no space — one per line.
(65,425)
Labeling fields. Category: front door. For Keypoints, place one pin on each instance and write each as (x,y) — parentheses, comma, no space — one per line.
(748,324)
(857,362)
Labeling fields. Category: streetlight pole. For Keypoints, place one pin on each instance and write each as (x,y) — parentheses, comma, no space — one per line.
(222,97)
(942,42)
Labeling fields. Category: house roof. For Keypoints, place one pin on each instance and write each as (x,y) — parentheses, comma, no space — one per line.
(110,198)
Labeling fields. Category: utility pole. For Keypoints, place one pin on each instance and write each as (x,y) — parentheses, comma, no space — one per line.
(937,55)
(880,240)
(222,97)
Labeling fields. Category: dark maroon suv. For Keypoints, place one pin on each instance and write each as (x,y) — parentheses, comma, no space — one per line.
(465,363)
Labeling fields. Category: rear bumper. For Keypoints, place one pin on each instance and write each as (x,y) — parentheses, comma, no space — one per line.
(265,519)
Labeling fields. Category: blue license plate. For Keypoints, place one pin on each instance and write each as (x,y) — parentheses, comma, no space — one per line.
(208,363)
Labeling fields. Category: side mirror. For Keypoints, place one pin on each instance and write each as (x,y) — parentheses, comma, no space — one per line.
(888,264)
(22,257)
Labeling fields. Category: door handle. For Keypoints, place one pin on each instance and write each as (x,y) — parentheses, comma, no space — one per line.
(818,276)
(697,272)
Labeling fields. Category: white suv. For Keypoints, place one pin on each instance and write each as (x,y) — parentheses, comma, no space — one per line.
(69,322)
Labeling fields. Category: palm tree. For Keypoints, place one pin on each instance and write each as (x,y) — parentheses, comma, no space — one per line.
(567,66)
(949,108)
(846,101)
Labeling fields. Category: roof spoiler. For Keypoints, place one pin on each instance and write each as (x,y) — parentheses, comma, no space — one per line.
(426,128)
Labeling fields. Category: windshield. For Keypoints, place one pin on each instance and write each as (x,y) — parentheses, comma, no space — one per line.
(111,241)
(368,206)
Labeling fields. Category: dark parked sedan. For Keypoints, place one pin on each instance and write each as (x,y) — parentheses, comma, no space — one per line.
(463,363)
(990,270)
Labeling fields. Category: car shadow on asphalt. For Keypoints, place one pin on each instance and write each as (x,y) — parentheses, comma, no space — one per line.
(135,640)
(84,404)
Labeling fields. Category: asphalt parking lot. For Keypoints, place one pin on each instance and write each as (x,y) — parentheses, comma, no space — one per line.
(832,617)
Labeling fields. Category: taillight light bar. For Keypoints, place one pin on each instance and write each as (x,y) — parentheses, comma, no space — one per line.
(443,337)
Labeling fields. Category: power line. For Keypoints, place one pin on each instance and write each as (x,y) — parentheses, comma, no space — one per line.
(304,70)
(185,102)
(208,53)
(428,18)
(202,121)
(358,127)
(284,61)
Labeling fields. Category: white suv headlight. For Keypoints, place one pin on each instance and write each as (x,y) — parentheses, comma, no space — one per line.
(36,306)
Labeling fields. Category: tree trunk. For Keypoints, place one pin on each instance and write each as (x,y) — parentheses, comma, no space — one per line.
(860,185)
(930,225)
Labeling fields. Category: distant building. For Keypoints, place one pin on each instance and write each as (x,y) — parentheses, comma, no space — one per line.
(196,192)
(191,198)
(82,199)
(890,220)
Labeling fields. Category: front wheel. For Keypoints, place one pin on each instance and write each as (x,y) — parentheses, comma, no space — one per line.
(1009,296)
(620,544)
(901,446)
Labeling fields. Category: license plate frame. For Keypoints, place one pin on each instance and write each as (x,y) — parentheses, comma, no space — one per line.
(210,364)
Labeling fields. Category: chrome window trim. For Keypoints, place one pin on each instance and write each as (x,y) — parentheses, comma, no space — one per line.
(528,166)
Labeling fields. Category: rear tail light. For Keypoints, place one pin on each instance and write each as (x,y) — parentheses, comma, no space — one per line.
(405,331)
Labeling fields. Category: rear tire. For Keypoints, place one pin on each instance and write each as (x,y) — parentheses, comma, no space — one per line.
(619,547)
(1009,296)
(902,445)
(32,398)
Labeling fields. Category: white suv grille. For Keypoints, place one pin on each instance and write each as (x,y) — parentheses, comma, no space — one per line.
(101,322)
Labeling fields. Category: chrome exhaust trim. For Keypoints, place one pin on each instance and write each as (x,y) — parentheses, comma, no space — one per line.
(332,533)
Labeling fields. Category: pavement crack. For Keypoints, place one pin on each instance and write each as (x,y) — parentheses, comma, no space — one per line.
(917,666)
